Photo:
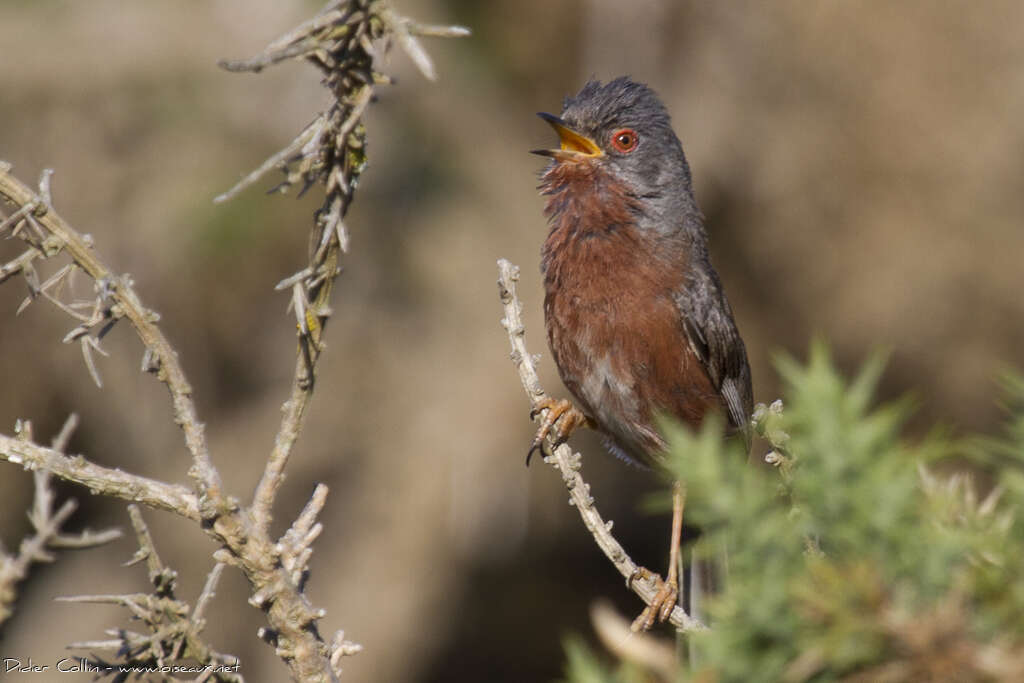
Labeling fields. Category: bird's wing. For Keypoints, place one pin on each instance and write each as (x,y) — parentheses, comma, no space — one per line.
(715,340)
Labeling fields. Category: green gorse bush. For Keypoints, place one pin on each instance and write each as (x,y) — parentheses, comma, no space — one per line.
(860,557)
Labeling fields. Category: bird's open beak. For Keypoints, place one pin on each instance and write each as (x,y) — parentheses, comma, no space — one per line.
(574,145)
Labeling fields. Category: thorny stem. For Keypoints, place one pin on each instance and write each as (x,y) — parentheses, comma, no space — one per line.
(47,524)
(125,303)
(331,150)
(289,612)
(103,480)
(174,637)
(564,460)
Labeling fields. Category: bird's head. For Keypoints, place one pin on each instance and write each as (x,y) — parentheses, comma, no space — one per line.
(621,128)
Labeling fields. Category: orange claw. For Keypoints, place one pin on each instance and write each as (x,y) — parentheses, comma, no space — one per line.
(668,590)
(663,603)
(561,412)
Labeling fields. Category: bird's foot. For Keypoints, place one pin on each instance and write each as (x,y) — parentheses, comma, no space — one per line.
(562,416)
(664,599)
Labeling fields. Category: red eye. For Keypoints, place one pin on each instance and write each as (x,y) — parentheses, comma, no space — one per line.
(625,140)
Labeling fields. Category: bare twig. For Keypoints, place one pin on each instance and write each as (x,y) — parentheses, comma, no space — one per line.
(18,264)
(331,151)
(116,298)
(102,480)
(160,576)
(405,32)
(341,648)
(248,547)
(277,160)
(567,462)
(174,638)
(296,544)
(209,591)
(47,524)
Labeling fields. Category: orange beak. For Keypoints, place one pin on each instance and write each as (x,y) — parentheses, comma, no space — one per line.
(574,146)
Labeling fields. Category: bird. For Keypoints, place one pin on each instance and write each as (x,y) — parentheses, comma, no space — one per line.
(636,317)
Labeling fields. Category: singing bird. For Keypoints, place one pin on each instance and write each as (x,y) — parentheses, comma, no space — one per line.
(636,318)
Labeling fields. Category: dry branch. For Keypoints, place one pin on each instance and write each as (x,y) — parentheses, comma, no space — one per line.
(340,41)
(47,524)
(291,616)
(115,298)
(564,460)
(246,544)
(101,480)
(173,638)
(330,151)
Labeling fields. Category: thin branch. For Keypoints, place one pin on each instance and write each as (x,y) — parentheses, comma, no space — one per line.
(47,524)
(101,480)
(161,576)
(173,636)
(281,48)
(341,648)
(18,264)
(209,591)
(277,160)
(564,460)
(330,151)
(122,301)
(246,545)
(296,544)
(85,539)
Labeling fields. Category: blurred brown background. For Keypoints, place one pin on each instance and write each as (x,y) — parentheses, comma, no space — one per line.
(860,166)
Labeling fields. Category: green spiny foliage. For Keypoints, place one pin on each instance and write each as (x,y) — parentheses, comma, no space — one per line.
(854,559)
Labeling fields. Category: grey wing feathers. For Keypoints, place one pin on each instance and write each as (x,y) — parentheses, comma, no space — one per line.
(716,341)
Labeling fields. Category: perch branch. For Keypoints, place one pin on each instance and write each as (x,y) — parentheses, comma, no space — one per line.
(564,460)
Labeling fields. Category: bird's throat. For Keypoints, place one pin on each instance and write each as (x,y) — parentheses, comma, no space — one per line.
(586,201)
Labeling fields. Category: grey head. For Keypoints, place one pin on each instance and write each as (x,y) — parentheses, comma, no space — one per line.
(623,128)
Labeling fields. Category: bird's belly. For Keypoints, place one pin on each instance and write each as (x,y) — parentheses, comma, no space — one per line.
(623,354)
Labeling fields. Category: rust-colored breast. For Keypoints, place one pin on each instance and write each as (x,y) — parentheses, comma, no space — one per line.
(613,325)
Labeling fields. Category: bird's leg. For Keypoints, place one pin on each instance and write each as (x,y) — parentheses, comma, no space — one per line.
(668,590)
(561,412)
